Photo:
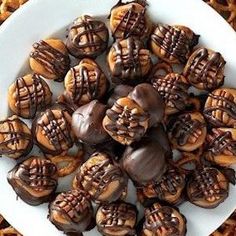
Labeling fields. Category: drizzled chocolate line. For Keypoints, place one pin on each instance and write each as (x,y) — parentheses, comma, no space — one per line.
(82,83)
(53,60)
(35,98)
(201,67)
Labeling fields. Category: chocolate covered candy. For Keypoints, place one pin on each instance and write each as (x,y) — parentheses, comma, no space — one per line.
(130,19)
(87,123)
(52,130)
(15,138)
(34,180)
(29,94)
(50,59)
(88,37)
(205,69)
(173,44)
(220,108)
(85,82)
(116,219)
(128,61)
(207,188)
(71,212)
(126,121)
(187,131)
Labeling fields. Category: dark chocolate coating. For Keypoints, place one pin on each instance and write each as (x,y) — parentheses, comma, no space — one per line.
(87,123)
(38,175)
(149,99)
(144,161)
(119,91)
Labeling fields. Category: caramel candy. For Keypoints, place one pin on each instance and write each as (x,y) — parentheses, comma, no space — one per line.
(85,82)
(101,179)
(87,37)
(116,219)
(52,130)
(221,146)
(71,212)
(163,221)
(207,188)
(205,69)
(173,88)
(187,131)
(28,95)
(15,138)
(130,19)
(34,180)
(220,108)
(50,59)
(126,121)
(128,61)
(173,44)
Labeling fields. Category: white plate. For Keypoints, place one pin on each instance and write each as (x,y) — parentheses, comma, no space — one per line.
(39,19)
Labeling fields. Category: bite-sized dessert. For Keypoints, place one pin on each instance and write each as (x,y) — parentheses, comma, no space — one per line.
(87,123)
(52,130)
(71,212)
(50,59)
(130,19)
(29,94)
(87,37)
(102,179)
(85,82)
(168,189)
(205,69)
(15,138)
(163,221)
(34,180)
(126,121)
(128,61)
(120,91)
(187,131)
(173,88)
(220,108)
(221,146)
(173,44)
(144,161)
(150,101)
(116,219)
(208,187)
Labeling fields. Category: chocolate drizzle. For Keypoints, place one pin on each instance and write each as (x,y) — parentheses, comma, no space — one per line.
(53,61)
(203,65)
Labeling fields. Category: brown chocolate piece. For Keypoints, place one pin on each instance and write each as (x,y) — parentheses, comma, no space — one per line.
(187,131)
(101,178)
(163,221)
(15,138)
(207,188)
(87,123)
(205,69)
(128,61)
(87,37)
(118,218)
(34,180)
(151,102)
(71,212)
(173,44)
(28,95)
(52,130)
(85,82)
(130,19)
(126,121)
(220,108)
(50,59)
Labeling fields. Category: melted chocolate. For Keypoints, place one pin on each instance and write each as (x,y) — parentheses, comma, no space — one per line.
(53,61)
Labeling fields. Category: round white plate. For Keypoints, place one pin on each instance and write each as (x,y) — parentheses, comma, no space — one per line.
(39,19)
